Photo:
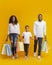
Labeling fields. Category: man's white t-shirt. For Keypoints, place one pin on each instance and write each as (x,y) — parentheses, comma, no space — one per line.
(27,36)
(39,28)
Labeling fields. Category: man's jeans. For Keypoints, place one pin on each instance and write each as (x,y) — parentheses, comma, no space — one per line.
(39,41)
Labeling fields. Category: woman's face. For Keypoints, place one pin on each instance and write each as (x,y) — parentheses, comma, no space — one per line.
(13,19)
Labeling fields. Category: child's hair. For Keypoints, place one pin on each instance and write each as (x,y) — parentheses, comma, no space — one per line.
(26,26)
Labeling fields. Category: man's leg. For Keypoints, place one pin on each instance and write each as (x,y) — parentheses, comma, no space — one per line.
(39,46)
(35,46)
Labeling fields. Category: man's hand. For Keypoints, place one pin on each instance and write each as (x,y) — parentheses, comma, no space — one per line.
(45,38)
(35,37)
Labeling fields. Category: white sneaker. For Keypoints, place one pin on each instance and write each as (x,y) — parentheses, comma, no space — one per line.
(34,54)
(13,57)
(39,57)
(26,57)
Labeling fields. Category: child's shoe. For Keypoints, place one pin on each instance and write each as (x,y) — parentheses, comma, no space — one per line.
(26,57)
(34,54)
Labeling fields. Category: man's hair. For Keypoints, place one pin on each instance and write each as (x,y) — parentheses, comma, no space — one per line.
(39,15)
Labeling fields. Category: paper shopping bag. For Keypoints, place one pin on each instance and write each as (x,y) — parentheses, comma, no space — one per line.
(8,50)
(20,46)
(4,50)
(45,47)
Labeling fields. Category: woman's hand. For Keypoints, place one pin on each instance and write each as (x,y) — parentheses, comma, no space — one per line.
(7,38)
(20,39)
(35,38)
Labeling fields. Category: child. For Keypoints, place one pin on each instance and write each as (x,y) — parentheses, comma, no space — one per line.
(26,35)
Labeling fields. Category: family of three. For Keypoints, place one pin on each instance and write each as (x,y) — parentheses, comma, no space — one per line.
(39,30)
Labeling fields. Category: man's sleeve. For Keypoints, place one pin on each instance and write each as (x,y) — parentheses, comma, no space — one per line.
(34,29)
(44,29)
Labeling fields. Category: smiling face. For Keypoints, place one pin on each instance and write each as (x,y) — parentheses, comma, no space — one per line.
(40,17)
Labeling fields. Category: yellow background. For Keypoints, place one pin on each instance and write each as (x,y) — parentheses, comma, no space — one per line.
(26,12)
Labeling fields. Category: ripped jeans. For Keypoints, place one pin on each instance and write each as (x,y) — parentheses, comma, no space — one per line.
(13,38)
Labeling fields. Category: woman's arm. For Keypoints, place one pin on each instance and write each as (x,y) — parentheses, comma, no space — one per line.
(7,38)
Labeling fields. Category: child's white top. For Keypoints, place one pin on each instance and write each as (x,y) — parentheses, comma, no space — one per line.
(14,28)
(27,36)
(39,28)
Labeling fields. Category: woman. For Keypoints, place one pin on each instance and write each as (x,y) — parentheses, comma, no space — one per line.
(13,33)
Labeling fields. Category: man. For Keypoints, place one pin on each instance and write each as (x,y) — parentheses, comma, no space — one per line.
(39,33)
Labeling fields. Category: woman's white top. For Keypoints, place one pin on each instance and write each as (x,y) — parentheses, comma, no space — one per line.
(39,28)
(26,36)
(14,28)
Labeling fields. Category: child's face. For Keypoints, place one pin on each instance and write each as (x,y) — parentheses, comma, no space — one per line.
(27,29)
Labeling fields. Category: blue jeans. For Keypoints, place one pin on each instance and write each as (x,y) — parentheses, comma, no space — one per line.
(13,39)
(39,45)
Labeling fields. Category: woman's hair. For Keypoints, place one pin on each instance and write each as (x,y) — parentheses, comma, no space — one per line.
(11,21)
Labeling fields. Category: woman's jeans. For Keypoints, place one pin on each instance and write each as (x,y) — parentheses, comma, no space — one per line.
(13,39)
(39,41)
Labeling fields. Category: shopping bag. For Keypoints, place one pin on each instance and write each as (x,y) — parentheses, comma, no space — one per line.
(45,47)
(8,50)
(4,50)
(20,46)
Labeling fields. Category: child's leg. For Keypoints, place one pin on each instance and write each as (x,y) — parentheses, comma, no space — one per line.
(27,47)
(39,46)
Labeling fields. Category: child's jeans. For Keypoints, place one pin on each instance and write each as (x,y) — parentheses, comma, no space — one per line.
(13,39)
(26,47)
(39,41)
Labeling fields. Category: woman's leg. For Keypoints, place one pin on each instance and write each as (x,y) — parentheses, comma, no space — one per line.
(15,43)
(12,44)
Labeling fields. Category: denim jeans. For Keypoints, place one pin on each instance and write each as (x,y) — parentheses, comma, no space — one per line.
(39,41)
(13,39)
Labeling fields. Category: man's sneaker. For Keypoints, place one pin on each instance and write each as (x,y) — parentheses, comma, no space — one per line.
(38,57)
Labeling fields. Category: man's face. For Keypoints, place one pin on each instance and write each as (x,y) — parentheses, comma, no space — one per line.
(40,17)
